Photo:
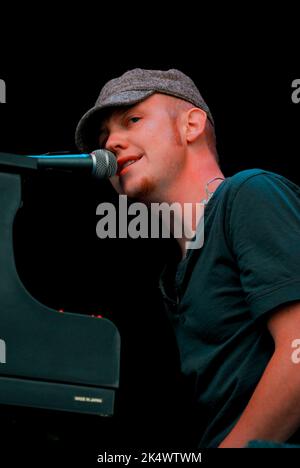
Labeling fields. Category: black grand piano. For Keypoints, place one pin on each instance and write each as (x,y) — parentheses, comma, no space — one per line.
(48,359)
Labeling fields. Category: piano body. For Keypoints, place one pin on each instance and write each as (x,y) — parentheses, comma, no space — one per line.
(48,359)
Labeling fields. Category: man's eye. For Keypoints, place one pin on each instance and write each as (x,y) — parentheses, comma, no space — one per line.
(134,119)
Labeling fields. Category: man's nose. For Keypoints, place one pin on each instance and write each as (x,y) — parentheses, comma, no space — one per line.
(116,142)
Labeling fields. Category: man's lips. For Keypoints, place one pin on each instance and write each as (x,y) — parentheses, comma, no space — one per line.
(126,159)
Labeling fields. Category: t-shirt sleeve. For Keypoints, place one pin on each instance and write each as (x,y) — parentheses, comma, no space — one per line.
(264,231)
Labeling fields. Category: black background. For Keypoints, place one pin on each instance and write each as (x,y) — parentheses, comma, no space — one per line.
(246,80)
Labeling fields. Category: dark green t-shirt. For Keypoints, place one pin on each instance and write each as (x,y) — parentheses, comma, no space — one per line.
(219,297)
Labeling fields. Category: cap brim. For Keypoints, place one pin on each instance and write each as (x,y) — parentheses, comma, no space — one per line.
(87,131)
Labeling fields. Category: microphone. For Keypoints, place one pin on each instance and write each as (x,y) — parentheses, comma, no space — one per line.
(100,163)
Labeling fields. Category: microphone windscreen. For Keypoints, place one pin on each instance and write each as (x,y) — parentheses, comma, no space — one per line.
(106,164)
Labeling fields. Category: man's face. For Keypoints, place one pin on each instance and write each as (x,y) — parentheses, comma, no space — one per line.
(146,139)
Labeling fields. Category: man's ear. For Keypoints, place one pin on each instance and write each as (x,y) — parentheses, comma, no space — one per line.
(195,124)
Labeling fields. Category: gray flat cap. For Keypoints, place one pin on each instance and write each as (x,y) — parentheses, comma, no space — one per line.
(130,88)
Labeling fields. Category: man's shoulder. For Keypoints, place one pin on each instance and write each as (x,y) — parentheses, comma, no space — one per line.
(252,175)
(244,179)
(262,187)
(258,180)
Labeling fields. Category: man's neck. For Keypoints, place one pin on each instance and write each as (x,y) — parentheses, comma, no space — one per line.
(192,209)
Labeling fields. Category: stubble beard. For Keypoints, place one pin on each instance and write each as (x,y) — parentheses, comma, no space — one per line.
(141,191)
